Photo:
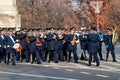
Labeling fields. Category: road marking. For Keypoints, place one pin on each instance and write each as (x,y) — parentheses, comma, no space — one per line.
(112,63)
(69,70)
(56,68)
(85,72)
(37,76)
(108,67)
(102,75)
(78,66)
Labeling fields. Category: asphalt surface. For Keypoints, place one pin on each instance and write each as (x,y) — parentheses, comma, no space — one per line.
(63,71)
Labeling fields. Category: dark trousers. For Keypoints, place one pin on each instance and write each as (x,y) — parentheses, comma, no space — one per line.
(12,56)
(74,55)
(46,54)
(55,55)
(83,55)
(100,51)
(3,55)
(40,55)
(32,57)
(60,52)
(95,57)
(26,54)
(112,53)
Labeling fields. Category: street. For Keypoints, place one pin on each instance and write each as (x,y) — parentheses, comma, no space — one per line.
(63,71)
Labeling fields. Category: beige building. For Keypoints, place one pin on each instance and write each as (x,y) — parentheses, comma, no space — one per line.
(9,16)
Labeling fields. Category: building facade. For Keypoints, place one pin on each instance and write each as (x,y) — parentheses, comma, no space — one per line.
(9,17)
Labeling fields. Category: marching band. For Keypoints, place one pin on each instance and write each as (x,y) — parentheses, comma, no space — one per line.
(37,45)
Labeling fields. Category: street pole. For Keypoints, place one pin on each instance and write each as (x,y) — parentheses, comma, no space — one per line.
(97,5)
(97,19)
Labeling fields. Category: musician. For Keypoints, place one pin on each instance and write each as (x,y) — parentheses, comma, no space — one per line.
(10,41)
(40,45)
(2,45)
(83,43)
(32,47)
(45,33)
(101,35)
(24,52)
(60,44)
(72,46)
(65,43)
(52,45)
(109,45)
(93,40)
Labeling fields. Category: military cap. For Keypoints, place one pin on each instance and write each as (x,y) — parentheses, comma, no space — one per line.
(10,29)
(59,28)
(72,28)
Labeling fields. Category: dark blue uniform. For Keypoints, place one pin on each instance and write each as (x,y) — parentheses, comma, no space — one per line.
(10,41)
(32,48)
(24,45)
(72,48)
(52,47)
(60,47)
(40,48)
(109,46)
(2,48)
(45,46)
(93,46)
(84,44)
(65,46)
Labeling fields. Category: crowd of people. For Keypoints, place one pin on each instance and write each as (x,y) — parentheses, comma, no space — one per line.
(50,44)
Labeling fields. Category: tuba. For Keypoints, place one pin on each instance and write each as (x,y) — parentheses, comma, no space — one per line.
(73,41)
(115,35)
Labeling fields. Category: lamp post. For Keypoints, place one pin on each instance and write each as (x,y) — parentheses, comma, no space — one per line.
(97,5)
(31,3)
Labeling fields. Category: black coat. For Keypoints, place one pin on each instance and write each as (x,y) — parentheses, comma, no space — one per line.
(93,42)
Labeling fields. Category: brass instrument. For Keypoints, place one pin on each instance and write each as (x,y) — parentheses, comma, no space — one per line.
(115,36)
(60,36)
(44,36)
(38,42)
(64,41)
(73,40)
(27,39)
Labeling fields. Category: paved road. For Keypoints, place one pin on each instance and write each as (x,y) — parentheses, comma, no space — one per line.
(62,71)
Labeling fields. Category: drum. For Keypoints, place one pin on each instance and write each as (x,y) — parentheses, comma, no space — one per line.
(17,47)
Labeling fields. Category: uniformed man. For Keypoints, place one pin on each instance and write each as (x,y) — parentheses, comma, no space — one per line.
(65,43)
(93,40)
(2,46)
(60,38)
(72,46)
(10,41)
(109,46)
(45,33)
(24,53)
(52,45)
(83,38)
(40,45)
